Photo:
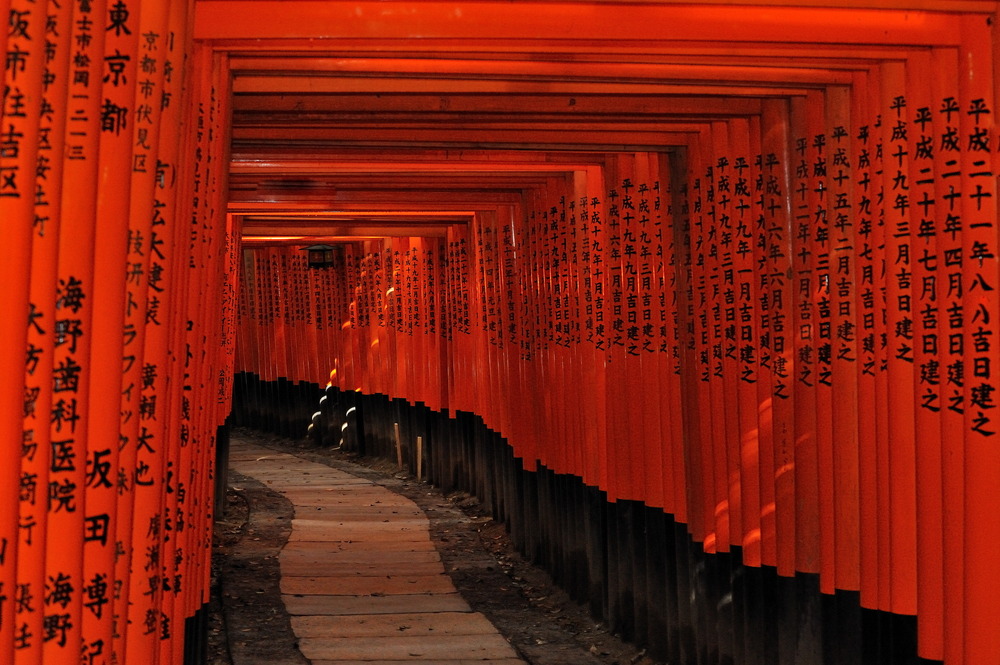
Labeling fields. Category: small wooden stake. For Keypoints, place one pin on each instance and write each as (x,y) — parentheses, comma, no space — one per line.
(420,457)
(399,447)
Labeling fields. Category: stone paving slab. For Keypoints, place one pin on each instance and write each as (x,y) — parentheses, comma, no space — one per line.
(312,497)
(354,509)
(373,546)
(310,483)
(301,476)
(359,567)
(502,661)
(253,453)
(362,529)
(393,625)
(361,578)
(280,466)
(418,648)
(358,532)
(339,514)
(388,585)
(341,605)
(338,534)
(360,557)
(353,491)
(380,523)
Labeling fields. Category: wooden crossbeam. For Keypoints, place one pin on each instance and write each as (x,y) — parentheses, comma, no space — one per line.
(494,21)
(470,107)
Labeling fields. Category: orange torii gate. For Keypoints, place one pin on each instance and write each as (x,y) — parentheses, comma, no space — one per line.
(798,334)
(106,530)
(720,273)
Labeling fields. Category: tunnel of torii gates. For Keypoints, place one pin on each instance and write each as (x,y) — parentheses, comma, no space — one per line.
(700,299)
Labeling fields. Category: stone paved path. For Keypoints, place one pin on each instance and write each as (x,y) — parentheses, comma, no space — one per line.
(360,576)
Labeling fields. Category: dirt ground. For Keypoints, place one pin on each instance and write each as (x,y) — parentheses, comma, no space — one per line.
(248,622)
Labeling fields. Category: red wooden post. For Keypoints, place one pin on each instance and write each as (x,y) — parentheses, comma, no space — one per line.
(20,117)
(778,167)
(43,337)
(864,136)
(760,280)
(923,137)
(842,337)
(901,433)
(674,215)
(977,103)
(949,208)
(745,337)
(803,205)
(725,485)
(645,313)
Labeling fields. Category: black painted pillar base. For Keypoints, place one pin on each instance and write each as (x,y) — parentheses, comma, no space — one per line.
(635,566)
(196,638)
(221,465)
(281,407)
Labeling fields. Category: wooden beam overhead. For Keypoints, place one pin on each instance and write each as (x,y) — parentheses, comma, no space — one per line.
(538,48)
(507,70)
(484,105)
(391,165)
(476,138)
(442,105)
(258,83)
(346,230)
(494,21)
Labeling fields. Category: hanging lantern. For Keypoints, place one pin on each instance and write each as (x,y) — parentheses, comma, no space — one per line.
(321,256)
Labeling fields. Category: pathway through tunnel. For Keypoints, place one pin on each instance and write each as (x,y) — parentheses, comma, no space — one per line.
(325,558)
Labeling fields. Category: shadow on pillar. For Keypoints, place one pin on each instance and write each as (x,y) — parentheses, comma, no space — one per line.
(196,638)
(634,566)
